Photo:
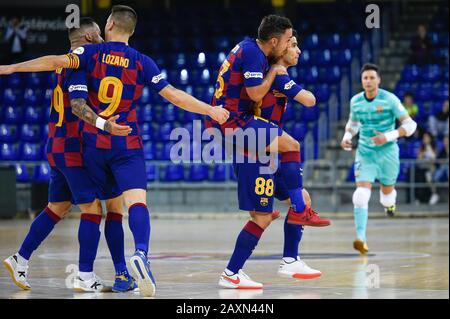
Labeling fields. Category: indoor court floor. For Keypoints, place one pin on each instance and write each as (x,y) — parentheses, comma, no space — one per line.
(408,258)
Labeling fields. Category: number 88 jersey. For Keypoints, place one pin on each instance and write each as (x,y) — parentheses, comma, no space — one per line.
(116,75)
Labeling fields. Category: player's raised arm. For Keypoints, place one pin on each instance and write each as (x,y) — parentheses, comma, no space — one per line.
(42,64)
(191,104)
(293,91)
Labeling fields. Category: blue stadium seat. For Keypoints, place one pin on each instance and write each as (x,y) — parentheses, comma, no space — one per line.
(178,61)
(146,113)
(207,94)
(332,41)
(231,174)
(180,77)
(9,152)
(34,115)
(411,73)
(219,173)
(146,131)
(150,171)
(330,74)
(289,113)
(311,75)
(22,175)
(342,58)
(31,152)
(198,173)
(216,60)
(47,100)
(164,131)
(163,151)
(10,98)
(30,97)
(48,80)
(222,43)
(324,58)
(311,42)
(305,59)
(8,133)
(33,80)
(30,133)
(149,151)
(202,77)
(322,93)
(310,113)
(197,60)
(14,80)
(299,131)
(441,93)
(404,172)
(169,113)
(12,115)
(354,41)
(431,73)
(146,95)
(173,173)
(41,173)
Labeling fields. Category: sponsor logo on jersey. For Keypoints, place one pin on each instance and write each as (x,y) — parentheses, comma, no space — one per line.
(78,88)
(289,85)
(249,75)
(157,78)
(79,50)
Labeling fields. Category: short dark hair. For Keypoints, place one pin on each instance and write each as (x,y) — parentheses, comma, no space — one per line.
(273,26)
(85,22)
(370,66)
(409,94)
(124,17)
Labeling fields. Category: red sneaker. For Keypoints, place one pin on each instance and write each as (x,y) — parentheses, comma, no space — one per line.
(275,214)
(308,218)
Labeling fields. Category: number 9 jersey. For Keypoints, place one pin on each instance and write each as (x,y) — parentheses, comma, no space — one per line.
(116,75)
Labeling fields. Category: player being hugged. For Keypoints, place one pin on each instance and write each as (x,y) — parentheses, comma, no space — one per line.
(373,114)
(116,75)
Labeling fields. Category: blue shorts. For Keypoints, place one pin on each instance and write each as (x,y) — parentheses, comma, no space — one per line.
(123,168)
(255,136)
(71,184)
(255,189)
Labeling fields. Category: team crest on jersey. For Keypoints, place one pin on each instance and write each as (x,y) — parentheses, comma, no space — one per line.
(249,75)
(264,201)
(379,109)
(289,85)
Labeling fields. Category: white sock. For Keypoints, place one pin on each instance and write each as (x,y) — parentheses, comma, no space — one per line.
(21,261)
(289,260)
(85,276)
(229,272)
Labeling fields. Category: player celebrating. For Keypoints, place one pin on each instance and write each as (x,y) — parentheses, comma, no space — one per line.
(373,113)
(69,181)
(244,78)
(116,75)
(272,108)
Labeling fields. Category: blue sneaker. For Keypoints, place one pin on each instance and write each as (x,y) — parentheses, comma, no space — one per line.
(141,267)
(124,283)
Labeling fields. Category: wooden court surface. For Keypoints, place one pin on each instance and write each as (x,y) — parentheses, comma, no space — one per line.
(408,258)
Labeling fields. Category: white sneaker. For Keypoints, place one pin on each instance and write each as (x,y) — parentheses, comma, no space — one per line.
(95,284)
(17,272)
(434,199)
(297,269)
(238,281)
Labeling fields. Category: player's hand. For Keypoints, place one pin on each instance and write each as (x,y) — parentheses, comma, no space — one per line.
(279,69)
(116,129)
(379,138)
(6,69)
(219,114)
(346,145)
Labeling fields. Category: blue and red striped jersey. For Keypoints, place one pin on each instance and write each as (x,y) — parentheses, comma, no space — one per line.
(274,103)
(245,66)
(116,75)
(63,145)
